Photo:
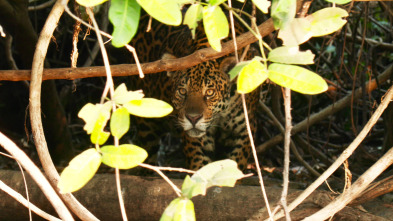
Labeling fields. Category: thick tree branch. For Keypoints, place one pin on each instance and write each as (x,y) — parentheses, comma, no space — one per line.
(195,58)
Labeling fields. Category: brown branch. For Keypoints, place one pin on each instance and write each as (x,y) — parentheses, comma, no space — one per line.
(35,110)
(195,58)
(377,189)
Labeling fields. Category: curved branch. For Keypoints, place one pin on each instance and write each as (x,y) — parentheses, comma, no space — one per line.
(195,58)
(38,177)
(35,110)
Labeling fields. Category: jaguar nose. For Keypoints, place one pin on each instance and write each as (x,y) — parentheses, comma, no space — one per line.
(194,118)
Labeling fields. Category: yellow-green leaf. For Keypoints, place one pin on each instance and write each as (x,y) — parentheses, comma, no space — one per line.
(297,78)
(262,5)
(122,95)
(90,3)
(125,156)
(327,21)
(178,210)
(120,122)
(296,33)
(291,55)
(95,114)
(165,11)
(216,26)
(124,16)
(79,171)
(251,76)
(283,12)
(193,15)
(148,107)
(99,136)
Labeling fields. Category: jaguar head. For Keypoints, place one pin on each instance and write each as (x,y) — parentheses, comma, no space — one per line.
(199,94)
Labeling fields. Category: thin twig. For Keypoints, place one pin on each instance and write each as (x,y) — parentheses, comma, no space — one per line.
(17,196)
(37,176)
(254,152)
(156,169)
(346,153)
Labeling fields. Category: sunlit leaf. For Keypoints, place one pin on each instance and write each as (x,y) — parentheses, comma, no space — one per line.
(125,156)
(291,55)
(216,26)
(262,5)
(90,3)
(122,95)
(219,173)
(120,122)
(95,114)
(236,70)
(165,11)
(251,76)
(193,15)
(124,16)
(297,78)
(148,107)
(99,136)
(327,21)
(178,210)
(216,2)
(79,171)
(283,12)
(296,33)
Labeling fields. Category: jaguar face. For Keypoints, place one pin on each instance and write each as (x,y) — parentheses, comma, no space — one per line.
(199,94)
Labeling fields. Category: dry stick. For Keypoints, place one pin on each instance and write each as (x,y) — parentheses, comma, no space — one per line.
(329,110)
(254,153)
(37,176)
(287,142)
(347,153)
(17,196)
(358,187)
(195,58)
(35,110)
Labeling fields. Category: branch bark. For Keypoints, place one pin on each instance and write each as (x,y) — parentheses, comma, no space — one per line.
(195,58)
(35,110)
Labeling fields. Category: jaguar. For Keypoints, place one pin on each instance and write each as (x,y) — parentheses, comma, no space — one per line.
(208,113)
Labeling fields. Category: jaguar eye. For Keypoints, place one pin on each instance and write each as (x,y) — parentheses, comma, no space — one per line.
(210,92)
(182,91)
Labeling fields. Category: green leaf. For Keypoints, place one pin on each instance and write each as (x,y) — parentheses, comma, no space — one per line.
(283,12)
(165,11)
(124,16)
(251,76)
(216,25)
(122,95)
(99,136)
(192,17)
(125,156)
(262,5)
(219,173)
(236,70)
(297,78)
(291,55)
(327,21)
(90,3)
(79,171)
(120,122)
(148,107)
(216,2)
(339,2)
(296,33)
(95,114)
(179,209)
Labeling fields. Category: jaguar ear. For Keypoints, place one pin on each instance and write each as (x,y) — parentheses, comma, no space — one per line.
(168,56)
(227,64)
